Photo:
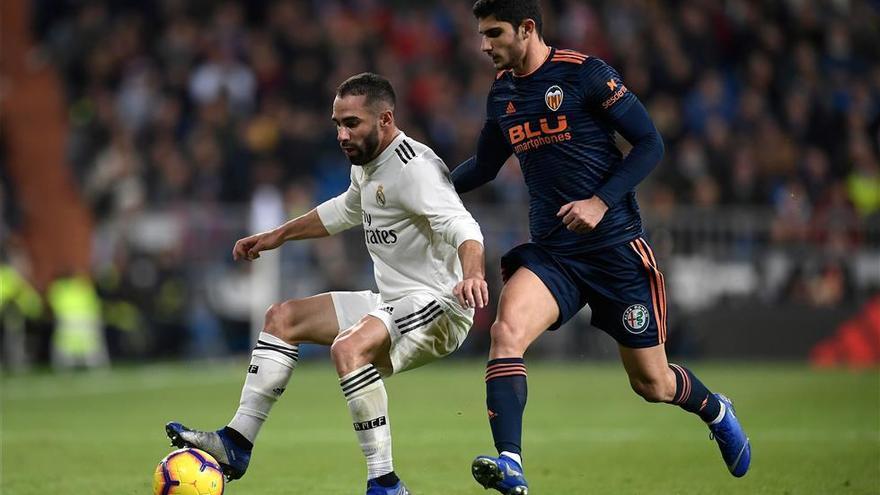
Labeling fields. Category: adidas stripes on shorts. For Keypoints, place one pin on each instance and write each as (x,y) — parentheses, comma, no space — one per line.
(422,326)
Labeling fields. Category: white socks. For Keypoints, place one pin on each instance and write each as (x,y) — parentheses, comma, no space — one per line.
(272,363)
(511,455)
(368,403)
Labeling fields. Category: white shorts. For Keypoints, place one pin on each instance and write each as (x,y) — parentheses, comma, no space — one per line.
(422,327)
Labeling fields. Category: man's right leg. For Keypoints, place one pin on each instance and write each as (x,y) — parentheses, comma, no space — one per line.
(526,308)
(272,363)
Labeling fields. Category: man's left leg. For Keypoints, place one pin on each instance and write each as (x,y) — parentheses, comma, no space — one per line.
(359,353)
(657,380)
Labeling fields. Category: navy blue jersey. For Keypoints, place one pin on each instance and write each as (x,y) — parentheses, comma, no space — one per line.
(560,121)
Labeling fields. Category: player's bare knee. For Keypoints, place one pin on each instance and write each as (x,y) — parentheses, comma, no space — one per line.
(339,349)
(506,338)
(272,324)
(348,354)
(280,321)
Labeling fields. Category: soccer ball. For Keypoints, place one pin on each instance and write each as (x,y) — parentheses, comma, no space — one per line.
(188,472)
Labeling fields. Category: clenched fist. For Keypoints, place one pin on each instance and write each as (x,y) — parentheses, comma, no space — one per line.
(584,215)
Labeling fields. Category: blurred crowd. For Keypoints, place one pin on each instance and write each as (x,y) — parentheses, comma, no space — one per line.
(760,103)
(772,106)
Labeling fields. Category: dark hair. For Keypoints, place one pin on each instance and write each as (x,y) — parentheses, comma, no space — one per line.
(512,11)
(375,87)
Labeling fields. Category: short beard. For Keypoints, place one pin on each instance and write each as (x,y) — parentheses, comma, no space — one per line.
(515,57)
(369,150)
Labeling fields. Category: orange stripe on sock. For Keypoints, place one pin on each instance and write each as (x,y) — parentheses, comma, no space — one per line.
(686,384)
(507,370)
(681,394)
(496,369)
(688,381)
(505,365)
(505,373)
(677,398)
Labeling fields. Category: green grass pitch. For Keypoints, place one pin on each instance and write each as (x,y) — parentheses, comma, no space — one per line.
(585,431)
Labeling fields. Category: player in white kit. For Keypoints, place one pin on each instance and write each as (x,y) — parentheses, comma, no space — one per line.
(428,262)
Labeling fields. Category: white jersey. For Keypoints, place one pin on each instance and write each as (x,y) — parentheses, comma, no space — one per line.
(412,217)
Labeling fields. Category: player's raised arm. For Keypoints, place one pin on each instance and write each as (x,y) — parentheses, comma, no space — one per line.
(306,226)
(328,218)
(492,151)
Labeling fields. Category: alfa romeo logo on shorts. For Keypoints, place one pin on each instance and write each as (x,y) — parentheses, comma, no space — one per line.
(636,318)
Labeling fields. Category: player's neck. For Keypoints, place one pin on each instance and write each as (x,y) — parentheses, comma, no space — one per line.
(386,141)
(536,55)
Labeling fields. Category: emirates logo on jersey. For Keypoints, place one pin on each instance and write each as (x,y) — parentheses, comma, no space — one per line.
(553,97)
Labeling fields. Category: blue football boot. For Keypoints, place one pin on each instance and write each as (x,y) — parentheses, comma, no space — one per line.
(501,473)
(732,440)
(374,488)
(232,458)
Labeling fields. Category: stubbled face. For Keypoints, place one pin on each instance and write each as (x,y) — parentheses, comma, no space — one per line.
(499,40)
(357,128)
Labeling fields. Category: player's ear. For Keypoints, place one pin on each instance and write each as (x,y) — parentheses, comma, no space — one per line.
(386,118)
(526,28)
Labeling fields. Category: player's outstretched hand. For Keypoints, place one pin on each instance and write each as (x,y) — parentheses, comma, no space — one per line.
(249,248)
(584,215)
(472,292)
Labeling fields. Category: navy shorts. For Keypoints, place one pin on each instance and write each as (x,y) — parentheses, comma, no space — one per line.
(622,285)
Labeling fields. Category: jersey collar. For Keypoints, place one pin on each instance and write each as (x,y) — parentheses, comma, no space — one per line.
(549,56)
(387,153)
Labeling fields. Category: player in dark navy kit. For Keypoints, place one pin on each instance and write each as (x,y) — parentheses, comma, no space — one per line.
(558,111)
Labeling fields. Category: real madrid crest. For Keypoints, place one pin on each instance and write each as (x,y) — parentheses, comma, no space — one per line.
(553,97)
(380,195)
